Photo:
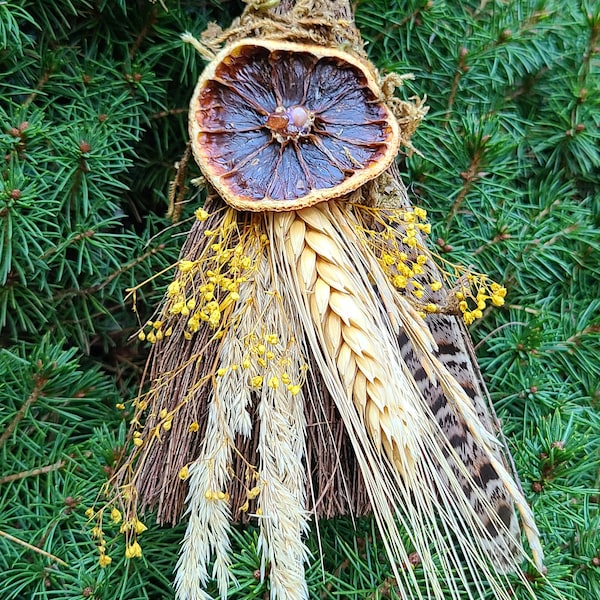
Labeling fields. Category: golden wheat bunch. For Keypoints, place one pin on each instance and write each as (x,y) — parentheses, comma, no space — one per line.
(411,469)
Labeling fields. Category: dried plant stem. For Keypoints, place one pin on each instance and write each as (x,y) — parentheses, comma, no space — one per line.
(356,319)
(282,441)
(33,472)
(209,510)
(16,540)
(259,361)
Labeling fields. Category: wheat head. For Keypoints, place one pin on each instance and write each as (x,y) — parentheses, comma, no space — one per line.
(353,321)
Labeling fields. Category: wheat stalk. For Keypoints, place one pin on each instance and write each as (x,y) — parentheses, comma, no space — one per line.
(208,508)
(354,339)
(281,442)
(259,360)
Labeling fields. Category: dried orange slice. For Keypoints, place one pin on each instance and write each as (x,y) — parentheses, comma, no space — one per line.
(280,126)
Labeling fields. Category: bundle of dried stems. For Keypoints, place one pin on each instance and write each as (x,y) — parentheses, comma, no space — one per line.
(312,361)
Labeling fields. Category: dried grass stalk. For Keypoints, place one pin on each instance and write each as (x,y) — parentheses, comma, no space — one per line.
(408,464)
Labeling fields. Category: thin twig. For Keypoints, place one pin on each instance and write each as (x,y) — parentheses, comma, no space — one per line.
(12,538)
(33,472)
(40,382)
(495,331)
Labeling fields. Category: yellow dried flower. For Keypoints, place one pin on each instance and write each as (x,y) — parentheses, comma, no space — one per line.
(201,214)
(104,560)
(193,427)
(497,300)
(134,550)
(184,473)
(388,259)
(139,527)
(96,532)
(174,288)
(186,265)
(253,493)
(115,515)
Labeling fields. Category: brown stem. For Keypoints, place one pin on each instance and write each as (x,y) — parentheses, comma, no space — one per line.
(75,238)
(12,538)
(394,26)
(33,472)
(40,84)
(95,288)
(177,188)
(40,382)
(461,68)
(469,177)
(167,113)
(148,25)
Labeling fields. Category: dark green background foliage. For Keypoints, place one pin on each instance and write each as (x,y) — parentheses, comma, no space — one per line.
(93,98)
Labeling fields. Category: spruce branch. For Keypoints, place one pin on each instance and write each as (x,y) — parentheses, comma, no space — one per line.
(39,382)
(29,546)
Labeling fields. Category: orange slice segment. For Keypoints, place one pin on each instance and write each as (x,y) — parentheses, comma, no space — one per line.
(281,126)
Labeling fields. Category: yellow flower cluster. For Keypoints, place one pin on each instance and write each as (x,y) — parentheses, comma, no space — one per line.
(394,237)
(131,526)
(216,495)
(97,532)
(263,352)
(250,495)
(472,304)
(205,288)
(396,244)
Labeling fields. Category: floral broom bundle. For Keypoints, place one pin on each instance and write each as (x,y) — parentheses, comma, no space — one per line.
(309,357)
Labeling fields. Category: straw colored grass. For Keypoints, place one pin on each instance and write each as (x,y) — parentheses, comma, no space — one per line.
(353,320)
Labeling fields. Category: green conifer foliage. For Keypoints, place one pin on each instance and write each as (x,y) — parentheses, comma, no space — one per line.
(93,111)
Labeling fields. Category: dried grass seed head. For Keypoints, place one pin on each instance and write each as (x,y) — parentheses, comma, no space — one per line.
(281,126)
